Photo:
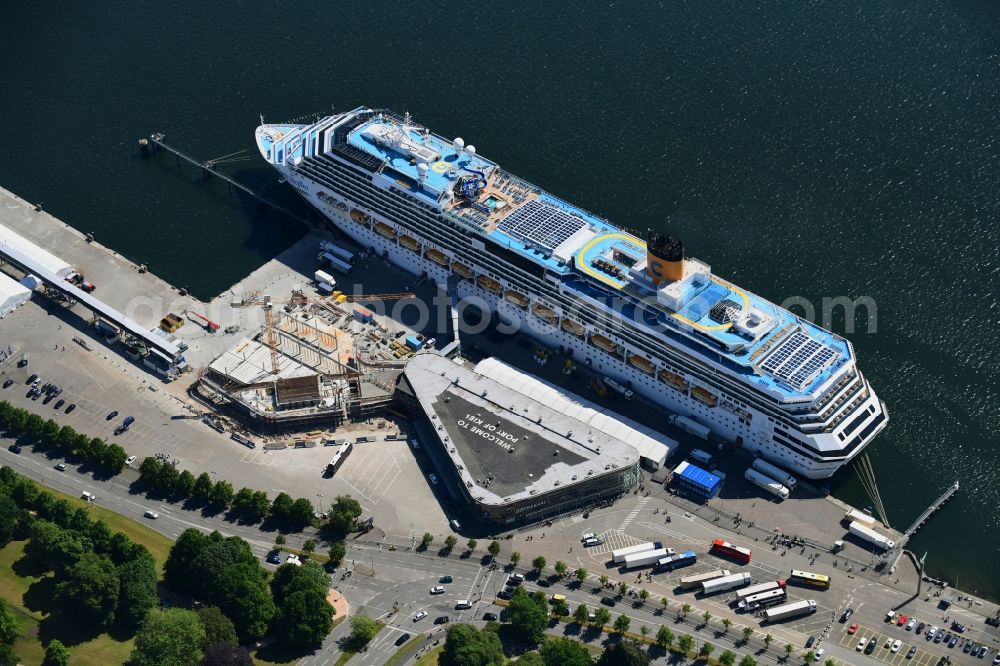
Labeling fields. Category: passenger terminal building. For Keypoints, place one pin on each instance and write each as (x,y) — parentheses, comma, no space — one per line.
(519,449)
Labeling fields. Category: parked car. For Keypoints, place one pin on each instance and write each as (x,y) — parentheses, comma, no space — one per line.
(871,645)
(910,625)
(8,383)
(953,641)
(111,415)
(14,448)
(912,651)
(131,459)
(851,630)
(588,535)
(504,594)
(901,620)
(896,645)
(32,379)
(445,579)
(919,628)
(420,615)
(490,617)
(71,407)
(847,615)
(442,619)
(810,641)
(437,589)
(862,642)
(61,467)
(274,557)
(960,628)
(402,639)
(59,403)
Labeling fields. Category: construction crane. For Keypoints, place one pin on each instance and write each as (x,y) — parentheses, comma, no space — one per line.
(272,340)
(210,325)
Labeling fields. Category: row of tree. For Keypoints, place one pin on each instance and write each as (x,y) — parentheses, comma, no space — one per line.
(101,578)
(92,450)
(223,572)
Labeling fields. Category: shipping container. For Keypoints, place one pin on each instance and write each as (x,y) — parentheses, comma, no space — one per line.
(618,556)
(871,536)
(695,580)
(788,611)
(647,557)
(766,482)
(725,583)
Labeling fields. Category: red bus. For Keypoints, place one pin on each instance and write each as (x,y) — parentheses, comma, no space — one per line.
(728,550)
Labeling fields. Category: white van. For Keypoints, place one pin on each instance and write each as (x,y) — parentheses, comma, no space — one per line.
(463,604)
(89,496)
(456,526)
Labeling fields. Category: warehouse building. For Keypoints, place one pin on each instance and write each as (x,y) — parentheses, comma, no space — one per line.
(516,456)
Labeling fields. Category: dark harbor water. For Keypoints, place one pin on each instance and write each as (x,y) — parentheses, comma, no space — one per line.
(804,149)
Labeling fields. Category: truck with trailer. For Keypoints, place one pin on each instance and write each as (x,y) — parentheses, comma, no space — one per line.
(690,426)
(726,583)
(322,276)
(766,482)
(789,611)
(687,558)
(775,472)
(760,587)
(336,263)
(695,580)
(618,556)
(871,536)
(620,389)
(647,557)
(855,516)
(761,600)
(337,251)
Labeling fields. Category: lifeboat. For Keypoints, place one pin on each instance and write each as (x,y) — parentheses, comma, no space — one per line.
(488,283)
(642,363)
(384,229)
(545,312)
(574,327)
(409,242)
(461,269)
(360,217)
(516,297)
(437,257)
(705,396)
(604,343)
(673,379)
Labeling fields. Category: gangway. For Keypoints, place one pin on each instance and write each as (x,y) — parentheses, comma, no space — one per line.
(918,523)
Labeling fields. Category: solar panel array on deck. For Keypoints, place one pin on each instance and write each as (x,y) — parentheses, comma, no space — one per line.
(541,223)
(798,359)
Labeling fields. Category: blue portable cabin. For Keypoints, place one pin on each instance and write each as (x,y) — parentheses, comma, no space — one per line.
(697,481)
(413,343)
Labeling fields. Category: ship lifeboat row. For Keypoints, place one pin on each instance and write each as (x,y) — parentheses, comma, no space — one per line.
(383,229)
(516,297)
(359,217)
(642,363)
(438,257)
(705,396)
(607,344)
(488,283)
(574,327)
(544,312)
(461,269)
(673,379)
(409,242)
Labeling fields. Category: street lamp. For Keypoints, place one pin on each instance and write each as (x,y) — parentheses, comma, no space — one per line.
(320,496)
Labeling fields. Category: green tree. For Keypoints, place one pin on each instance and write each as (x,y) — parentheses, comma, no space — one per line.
(829,662)
(530,659)
(343,515)
(515,556)
(90,592)
(748,661)
(809,657)
(643,594)
(427,539)
(603,580)
(664,603)
(53,548)
(10,515)
(279,540)
(622,623)
(560,607)
(706,617)
(337,553)
(281,507)
(560,568)
(789,649)
(528,615)
(290,578)
(243,501)
(581,575)
(705,651)
(202,486)
(471,545)
(258,506)
(219,629)
(726,623)
(623,653)
(149,471)
(308,547)
(747,633)
(538,564)
(450,542)
(363,630)
(581,614)
(170,637)
(685,643)
(305,618)
(664,637)
(727,658)
(601,617)
(563,652)
(622,588)
(224,655)
(644,630)
(685,610)
(242,595)
(302,512)
(56,654)
(9,633)
(768,639)
(222,493)
(168,477)
(137,589)
(113,458)
(467,645)
(494,548)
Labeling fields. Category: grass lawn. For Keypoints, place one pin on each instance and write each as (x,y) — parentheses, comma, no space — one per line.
(431,658)
(158,544)
(98,651)
(405,648)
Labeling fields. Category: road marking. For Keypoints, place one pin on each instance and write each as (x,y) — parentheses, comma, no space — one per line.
(635,512)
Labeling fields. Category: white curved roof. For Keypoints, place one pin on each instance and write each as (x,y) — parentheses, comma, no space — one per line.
(653,446)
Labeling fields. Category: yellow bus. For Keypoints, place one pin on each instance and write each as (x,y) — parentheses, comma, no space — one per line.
(806,579)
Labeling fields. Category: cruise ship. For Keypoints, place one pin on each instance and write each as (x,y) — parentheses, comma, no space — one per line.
(635,310)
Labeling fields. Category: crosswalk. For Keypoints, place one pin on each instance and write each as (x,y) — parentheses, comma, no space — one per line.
(635,512)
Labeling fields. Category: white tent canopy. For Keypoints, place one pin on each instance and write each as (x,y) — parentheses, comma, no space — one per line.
(45,258)
(12,295)
(654,447)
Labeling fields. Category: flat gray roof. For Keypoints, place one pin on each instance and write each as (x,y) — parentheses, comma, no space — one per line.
(507,446)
